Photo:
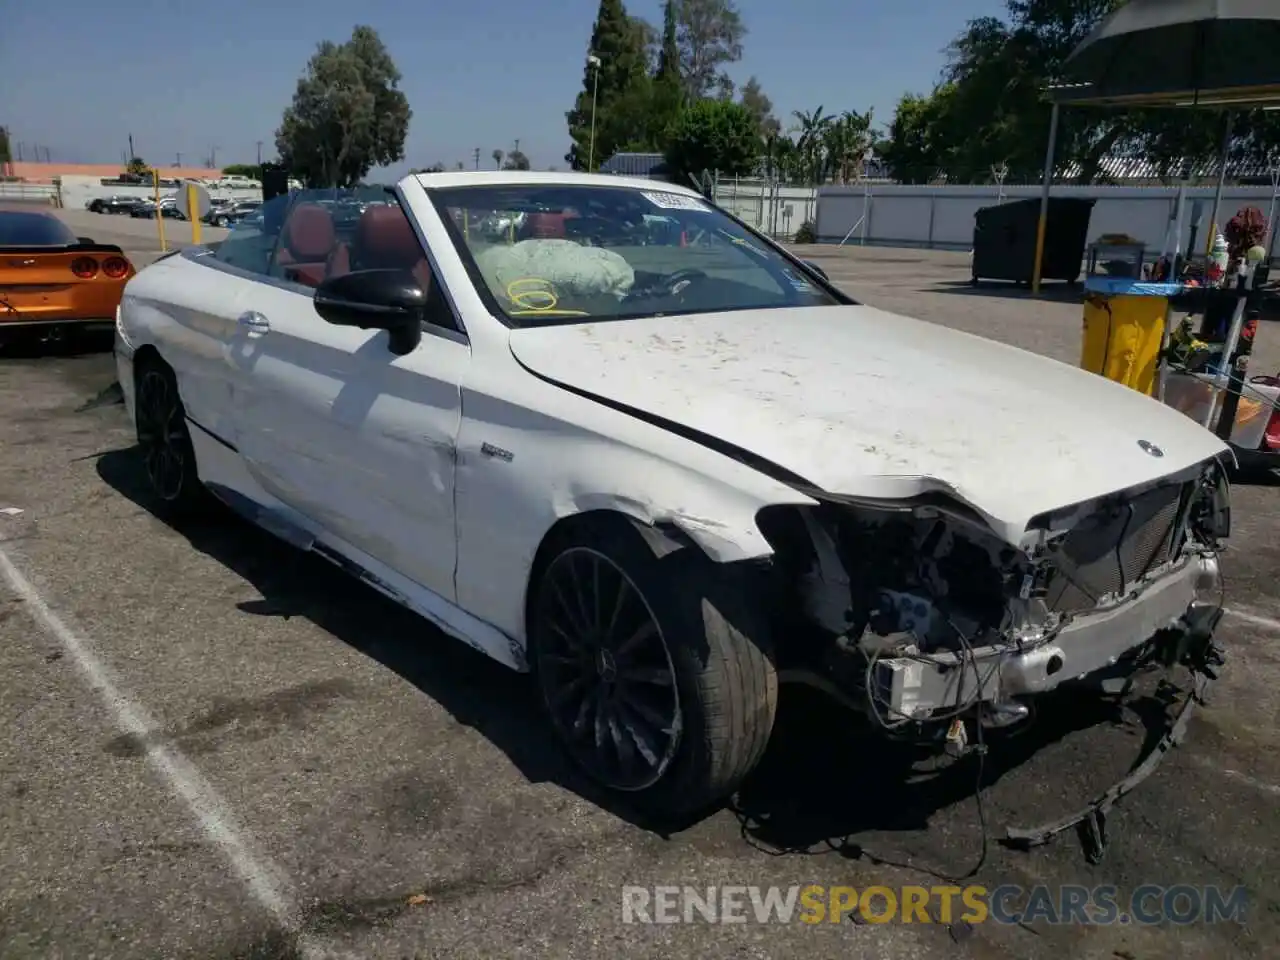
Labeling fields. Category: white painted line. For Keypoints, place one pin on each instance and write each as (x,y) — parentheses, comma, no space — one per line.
(264,880)
(1260,785)
(1267,623)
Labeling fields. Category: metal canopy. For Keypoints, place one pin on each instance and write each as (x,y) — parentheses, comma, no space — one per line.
(1206,53)
(1202,54)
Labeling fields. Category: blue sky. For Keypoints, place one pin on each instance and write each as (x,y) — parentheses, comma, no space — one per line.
(78,77)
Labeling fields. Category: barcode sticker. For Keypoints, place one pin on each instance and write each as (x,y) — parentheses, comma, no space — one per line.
(675,201)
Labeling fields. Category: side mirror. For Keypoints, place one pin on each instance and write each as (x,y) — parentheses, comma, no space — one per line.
(390,300)
(817,269)
(85,241)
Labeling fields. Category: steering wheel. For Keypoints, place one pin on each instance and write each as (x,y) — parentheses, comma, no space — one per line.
(678,281)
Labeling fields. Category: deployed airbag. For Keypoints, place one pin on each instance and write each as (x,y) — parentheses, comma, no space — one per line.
(571,269)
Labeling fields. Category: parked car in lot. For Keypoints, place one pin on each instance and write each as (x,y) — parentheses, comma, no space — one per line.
(666,475)
(115,203)
(226,214)
(52,281)
(168,208)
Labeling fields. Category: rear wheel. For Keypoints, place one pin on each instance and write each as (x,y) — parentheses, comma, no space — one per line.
(656,674)
(165,443)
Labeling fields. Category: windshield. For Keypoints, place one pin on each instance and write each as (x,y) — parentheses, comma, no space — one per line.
(558,253)
(23,229)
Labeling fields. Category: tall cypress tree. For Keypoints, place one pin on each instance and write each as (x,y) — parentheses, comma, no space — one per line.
(668,91)
(619,42)
(669,57)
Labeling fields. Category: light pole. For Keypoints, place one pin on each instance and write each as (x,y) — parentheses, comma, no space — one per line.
(593,62)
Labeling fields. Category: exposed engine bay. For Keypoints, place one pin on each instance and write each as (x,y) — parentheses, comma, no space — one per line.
(917,614)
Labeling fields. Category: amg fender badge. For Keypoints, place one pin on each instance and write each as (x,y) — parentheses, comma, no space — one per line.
(489,450)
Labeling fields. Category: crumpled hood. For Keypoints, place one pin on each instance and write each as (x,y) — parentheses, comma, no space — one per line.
(867,403)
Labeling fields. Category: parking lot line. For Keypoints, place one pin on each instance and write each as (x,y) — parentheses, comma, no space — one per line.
(1268,623)
(265,882)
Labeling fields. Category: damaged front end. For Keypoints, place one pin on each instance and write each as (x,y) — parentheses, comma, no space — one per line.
(917,614)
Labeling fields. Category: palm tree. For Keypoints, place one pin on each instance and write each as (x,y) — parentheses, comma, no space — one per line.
(497,158)
(812,126)
(847,140)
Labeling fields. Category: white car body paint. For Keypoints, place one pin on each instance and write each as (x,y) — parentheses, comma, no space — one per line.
(361,449)
(332,423)
(866,403)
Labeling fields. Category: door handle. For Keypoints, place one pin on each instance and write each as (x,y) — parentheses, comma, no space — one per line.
(253,324)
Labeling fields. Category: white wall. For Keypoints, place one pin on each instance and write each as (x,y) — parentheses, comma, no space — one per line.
(766,208)
(893,215)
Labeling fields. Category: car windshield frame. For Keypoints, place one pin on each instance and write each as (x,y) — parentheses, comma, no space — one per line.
(780,264)
(67,238)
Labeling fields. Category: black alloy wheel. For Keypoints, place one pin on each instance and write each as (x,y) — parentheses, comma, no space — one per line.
(606,672)
(167,454)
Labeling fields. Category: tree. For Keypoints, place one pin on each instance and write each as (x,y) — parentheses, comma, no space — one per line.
(497,159)
(434,168)
(710,37)
(846,141)
(759,106)
(812,144)
(6,155)
(719,136)
(667,88)
(992,107)
(250,170)
(919,146)
(516,160)
(347,114)
(620,42)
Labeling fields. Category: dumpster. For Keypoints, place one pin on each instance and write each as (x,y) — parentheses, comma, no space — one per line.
(1004,240)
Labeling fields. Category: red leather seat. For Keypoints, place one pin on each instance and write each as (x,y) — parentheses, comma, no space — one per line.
(384,240)
(306,243)
(545,226)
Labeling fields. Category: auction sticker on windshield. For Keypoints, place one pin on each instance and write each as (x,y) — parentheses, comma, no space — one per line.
(675,201)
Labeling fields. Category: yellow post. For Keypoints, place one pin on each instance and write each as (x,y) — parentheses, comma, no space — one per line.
(193,211)
(155,181)
(1042,226)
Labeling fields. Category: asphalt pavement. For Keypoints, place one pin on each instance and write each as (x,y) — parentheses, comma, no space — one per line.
(220,748)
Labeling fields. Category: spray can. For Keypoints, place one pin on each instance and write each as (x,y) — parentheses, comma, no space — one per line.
(1219,258)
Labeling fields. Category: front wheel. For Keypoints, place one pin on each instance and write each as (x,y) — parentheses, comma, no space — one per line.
(167,454)
(657,674)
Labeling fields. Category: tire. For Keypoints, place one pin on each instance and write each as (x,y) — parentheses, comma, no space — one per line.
(169,460)
(720,693)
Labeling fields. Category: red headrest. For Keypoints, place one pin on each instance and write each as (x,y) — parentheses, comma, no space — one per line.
(547,225)
(385,238)
(310,232)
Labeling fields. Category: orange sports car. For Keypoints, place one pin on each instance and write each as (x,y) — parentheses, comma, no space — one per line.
(51,280)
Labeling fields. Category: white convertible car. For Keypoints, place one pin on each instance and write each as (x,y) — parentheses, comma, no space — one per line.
(624,442)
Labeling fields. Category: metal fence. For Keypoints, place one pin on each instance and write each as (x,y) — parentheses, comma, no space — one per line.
(28,192)
(770,206)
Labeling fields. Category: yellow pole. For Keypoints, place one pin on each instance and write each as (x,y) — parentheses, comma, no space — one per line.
(193,211)
(155,180)
(1044,201)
